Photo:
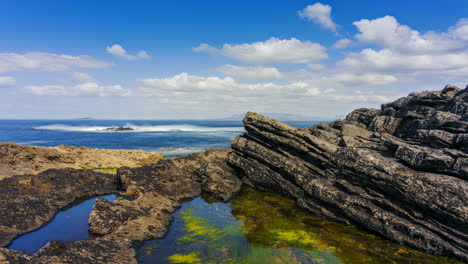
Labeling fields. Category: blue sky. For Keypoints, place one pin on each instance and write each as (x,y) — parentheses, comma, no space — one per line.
(212,59)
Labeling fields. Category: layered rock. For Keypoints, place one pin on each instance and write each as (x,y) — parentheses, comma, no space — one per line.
(400,171)
(20,159)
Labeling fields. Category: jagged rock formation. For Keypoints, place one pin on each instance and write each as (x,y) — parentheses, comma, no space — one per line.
(19,159)
(400,171)
(148,196)
(153,192)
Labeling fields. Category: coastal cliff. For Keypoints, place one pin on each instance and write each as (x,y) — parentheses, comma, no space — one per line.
(400,171)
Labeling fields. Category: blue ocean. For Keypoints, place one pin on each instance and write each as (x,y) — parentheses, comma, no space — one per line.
(171,138)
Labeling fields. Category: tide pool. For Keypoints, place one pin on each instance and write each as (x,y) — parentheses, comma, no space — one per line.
(68,225)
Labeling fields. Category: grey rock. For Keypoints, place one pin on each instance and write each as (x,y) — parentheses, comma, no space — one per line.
(400,172)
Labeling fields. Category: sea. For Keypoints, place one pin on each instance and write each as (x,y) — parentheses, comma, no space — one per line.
(169,137)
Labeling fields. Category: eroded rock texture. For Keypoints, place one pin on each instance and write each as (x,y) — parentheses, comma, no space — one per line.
(400,171)
(148,196)
(153,192)
(29,201)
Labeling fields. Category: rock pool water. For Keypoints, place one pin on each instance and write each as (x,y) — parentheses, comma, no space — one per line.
(68,225)
(259,227)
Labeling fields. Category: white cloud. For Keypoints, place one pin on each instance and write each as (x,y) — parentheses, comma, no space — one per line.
(320,14)
(6,81)
(47,62)
(82,77)
(460,30)
(46,89)
(342,43)
(405,51)
(316,67)
(388,33)
(389,61)
(340,78)
(273,50)
(190,86)
(83,89)
(368,79)
(119,51)
(251,73)
(360,98)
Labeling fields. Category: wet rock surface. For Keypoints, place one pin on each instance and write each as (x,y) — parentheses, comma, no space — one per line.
(30,201)
(118,129)
(148,196)
(153,192)
(399,171)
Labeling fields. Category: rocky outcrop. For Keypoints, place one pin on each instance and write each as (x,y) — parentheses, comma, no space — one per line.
(147,197)
(400,171)
(118,129)
(153,192)
(29,201)
(20,159)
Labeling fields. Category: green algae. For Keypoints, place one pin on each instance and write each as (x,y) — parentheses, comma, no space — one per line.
(263,228)
(273,221)
(191,258)
(198,227)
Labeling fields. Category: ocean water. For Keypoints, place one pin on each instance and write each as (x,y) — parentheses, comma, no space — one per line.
(256,227)
(176,137)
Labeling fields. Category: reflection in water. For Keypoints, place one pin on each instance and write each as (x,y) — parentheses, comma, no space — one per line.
(267,228)
(68,225)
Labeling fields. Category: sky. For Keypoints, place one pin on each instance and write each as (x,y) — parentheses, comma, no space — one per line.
(210,59)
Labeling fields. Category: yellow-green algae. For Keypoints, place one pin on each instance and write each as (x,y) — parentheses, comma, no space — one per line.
(265,228)
(273,221)
(104,169)
(198,227)
(191,258)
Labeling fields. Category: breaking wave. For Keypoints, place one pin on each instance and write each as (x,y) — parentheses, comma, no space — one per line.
(143,128)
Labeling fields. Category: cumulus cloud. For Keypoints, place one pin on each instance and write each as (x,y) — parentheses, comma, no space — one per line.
(342,43)
(83,89)
(460,30)
(6,81)
(120,52)
(387,60)
(406,51)
(47,62)
(320,14)
(185,85)
(388,33)
(251,73)
(273,50)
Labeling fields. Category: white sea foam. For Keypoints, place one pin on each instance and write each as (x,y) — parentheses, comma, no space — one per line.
(32,142)
(143,128)
(179,151)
